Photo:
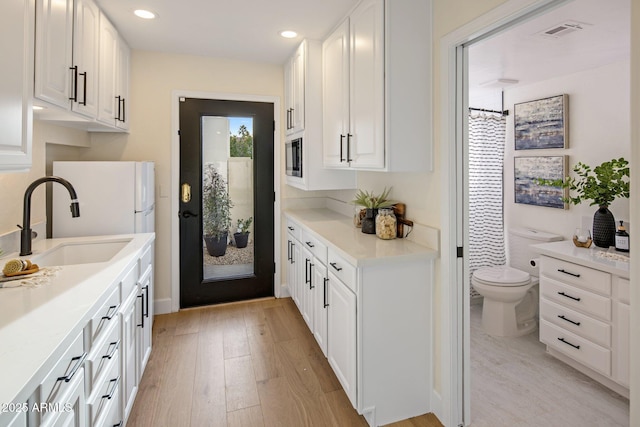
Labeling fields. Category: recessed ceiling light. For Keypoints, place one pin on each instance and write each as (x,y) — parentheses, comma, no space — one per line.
(144,14)
(288,34)
(37,107)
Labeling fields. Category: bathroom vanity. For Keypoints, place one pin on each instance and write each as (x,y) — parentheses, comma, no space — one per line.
(585,312)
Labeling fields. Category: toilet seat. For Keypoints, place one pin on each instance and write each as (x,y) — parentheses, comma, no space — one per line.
(501,275)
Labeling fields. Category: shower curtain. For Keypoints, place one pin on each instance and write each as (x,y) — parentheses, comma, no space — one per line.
(486,162)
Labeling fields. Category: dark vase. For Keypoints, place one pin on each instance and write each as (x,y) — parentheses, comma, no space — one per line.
(604,228)
(241,239)
(369,221)
(216,246)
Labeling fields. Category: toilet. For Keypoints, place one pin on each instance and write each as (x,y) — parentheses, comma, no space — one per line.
(510,292)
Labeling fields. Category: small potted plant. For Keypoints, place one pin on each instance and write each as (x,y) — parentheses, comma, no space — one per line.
(241,236)
(371,203)
(602,186)
(216,207)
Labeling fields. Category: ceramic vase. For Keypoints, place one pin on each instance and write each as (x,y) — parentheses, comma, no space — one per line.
(604,228)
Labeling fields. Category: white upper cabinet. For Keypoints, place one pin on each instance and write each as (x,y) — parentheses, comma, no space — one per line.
(294,91)
(17,20)
(377,88)
(122,84)
(67,43)
(108,104)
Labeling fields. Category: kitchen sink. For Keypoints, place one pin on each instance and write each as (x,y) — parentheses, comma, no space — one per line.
(81,253)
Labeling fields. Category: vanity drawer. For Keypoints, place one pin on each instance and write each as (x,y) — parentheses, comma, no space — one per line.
(130,282)
(578,275)
(342,269)
(105,315)
(624,290)
(294,228)
(103,353)
(576,298)
(106,392)
(576,347)
(313,244)
(578,323)
(145,259)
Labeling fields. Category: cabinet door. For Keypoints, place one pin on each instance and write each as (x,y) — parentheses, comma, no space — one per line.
(366,115)
(292,272)
(74,414)
(305,278)
(16,86)
(146,316)
(86,48)
(288,94)
(320,304)
(335,97)
(107,112)
(341,335)
(54,50)
(623,322)
(129,357)
(122,85)
(297,86)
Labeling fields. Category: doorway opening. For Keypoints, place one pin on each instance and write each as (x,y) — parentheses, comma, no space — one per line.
(226,201)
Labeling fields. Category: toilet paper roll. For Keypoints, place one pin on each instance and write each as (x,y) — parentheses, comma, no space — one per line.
(535,262)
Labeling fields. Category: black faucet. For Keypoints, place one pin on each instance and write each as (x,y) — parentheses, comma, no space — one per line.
(25,234)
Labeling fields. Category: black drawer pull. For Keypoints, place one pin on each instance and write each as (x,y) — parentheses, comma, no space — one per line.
(290,228)
(326,304)
(311,245)
(569,296)
(311,286)
(110,394)
(79,364)
(111,312)
(118,425)
(307,279)
(113,351)
(562,270)
(577,347)
(333,264)
(561,316)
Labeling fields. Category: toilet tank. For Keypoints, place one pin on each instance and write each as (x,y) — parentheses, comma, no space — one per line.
(520,252)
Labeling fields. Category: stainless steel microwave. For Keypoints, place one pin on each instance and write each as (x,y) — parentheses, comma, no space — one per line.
(293,162)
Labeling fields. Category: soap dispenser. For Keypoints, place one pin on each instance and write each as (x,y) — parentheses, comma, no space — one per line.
(622,239)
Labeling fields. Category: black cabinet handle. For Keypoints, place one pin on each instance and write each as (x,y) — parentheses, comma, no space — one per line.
(349,159)
(311,245)
(119,103)
(333,264)
(74,83)
(124,110)
(293,260)
(561,316)
(341,141)
(569,296)
(146,300)
(577,347)
(290,228)
(311,275)
(119,424)
(325,292)
(288,250)
(111,312)
(292,125)
(113,351)
(562,270)
(141,324)
(110,394)
(306,270)
(79,363)
(84,84)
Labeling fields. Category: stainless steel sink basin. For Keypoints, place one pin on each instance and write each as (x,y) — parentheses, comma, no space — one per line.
(81,253)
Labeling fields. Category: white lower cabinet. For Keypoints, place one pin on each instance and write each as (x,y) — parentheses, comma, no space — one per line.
(15,419)
(320,297)
(73,411)
(306,288)
(341,335)
(129,360)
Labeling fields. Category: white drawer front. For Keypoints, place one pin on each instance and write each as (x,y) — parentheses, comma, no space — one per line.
(102,353)
(106,392)
(294,228)
(145,259)
(56,384)
(317,248)
(581,324)
(624,290)
(342,269)
(579,275)
(577,298)
(576,347)
(105,315)
(129,282)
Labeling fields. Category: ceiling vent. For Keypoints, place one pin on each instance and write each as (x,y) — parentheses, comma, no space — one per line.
(563,29)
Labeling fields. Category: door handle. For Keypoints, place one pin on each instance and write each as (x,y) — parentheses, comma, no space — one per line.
(188,214)
(185,193)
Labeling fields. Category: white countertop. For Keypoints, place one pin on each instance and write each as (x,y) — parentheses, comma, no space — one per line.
(589,257)
(37,324)
(358,248)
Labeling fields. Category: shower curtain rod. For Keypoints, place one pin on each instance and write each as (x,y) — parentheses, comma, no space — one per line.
(503,113)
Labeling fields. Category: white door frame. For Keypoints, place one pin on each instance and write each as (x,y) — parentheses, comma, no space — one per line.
(454,402)
(175,178)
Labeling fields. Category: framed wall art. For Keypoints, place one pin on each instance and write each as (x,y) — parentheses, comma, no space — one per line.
(528,169)
(542,123)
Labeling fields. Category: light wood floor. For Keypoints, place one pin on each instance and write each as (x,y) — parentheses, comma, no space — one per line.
(248,364)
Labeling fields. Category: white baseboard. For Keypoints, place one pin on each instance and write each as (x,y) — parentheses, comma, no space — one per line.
(162,306)
(436,406)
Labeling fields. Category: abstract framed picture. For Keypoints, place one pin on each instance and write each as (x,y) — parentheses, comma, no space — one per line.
(526,172)
(542,123)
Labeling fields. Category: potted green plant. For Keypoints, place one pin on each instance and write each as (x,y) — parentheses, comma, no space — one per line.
(601,186)
(216,207)
(241,236)
(371,202)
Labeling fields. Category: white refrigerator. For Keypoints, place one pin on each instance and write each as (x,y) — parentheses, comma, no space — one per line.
(114,198)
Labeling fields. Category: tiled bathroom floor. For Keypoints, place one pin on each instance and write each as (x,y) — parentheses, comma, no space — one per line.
(515,383)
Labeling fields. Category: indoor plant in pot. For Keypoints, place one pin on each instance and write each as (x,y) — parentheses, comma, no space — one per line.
(371,203)
(216,207)
(602,185)
(241,236)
